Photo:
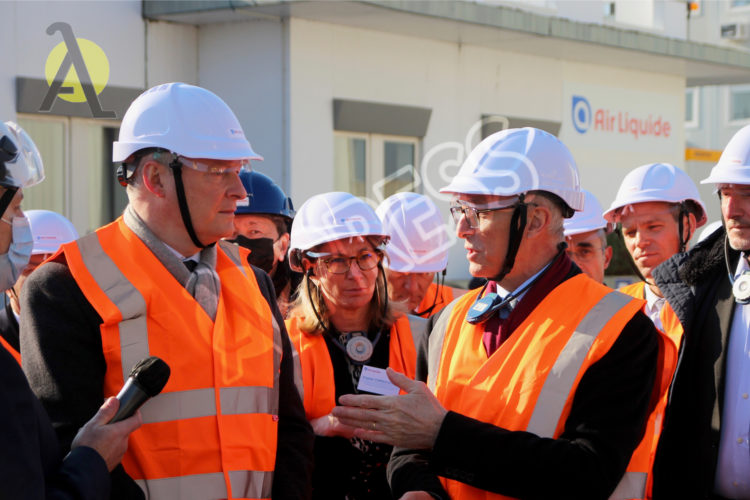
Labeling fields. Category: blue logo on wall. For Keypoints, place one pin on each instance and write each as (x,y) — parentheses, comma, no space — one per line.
(581,114)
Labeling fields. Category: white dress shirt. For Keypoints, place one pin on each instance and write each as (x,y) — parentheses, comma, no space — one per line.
(654,305)
(733,467)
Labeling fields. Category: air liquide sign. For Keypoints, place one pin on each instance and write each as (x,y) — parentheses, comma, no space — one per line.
(617,121)
(610,118)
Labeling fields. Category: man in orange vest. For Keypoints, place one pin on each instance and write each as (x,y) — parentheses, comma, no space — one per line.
(657,209)
(542,379)
(159,281)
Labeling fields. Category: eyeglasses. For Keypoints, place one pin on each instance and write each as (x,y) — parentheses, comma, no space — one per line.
(339,264)
(202,166)
(211,168)
(471,212)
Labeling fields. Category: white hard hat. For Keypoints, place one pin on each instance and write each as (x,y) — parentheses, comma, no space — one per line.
(184,119)
(49,230)
(734,163)
(419,240)
(515,161)
(590,219)
(20,162)
(330,217)
(657,182)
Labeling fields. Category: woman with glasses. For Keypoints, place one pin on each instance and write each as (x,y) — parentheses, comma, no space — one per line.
(341,325)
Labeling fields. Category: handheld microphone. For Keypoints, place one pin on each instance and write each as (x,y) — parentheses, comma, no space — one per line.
(147,378)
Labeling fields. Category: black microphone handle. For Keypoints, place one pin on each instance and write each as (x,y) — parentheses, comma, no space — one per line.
(131,398)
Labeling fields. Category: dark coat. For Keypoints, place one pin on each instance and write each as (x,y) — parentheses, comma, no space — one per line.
(31,462)
(697,287)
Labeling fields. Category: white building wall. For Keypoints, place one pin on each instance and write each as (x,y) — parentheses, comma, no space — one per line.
(459,83)
(117,27)
(171,53)
(244,63)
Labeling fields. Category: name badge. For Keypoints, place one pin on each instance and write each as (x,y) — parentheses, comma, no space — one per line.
(375,381)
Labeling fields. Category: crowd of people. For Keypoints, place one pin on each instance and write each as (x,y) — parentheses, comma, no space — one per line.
(319,353)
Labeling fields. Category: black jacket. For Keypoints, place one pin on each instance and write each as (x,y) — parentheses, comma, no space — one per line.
(62,356)
(31,463)
(605,424)
(697,287)
(8,323)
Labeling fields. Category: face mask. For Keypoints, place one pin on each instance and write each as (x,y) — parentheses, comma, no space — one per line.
(14,262)
(261,251)
(281,276)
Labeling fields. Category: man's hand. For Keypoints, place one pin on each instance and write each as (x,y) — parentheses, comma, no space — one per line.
(330,426)
(109,440)
(411,420)
(416,495)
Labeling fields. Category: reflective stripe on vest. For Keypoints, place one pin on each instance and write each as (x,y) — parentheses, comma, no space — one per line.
(559,382)
(229,428)
(245,484)
(314,370)
(631,486)
(130,302)
(435,341)
(533,377)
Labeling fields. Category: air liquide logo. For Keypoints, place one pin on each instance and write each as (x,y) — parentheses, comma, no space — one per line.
(581,114)
(617,121)
(76,70)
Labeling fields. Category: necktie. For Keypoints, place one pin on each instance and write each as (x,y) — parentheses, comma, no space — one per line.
(496,330)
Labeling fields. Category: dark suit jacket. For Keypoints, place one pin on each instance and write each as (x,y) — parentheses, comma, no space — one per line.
(9,324)
(31,463)
(697,287)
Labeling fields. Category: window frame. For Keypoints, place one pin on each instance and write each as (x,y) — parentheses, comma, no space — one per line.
(694,122)
(375,161)
(728,104)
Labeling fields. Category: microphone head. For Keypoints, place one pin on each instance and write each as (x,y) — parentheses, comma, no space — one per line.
(151,374)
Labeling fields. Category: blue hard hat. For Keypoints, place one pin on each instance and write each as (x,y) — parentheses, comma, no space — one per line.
(263,196)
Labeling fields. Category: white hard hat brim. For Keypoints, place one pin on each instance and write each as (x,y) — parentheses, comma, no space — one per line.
(723,175)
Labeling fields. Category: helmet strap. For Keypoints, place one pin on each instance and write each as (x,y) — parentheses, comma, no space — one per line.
(6,198)
(176,168)
(440,283)
(680,226)
(381,274)
(517,227)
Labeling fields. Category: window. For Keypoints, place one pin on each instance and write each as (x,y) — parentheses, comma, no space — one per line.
(51,138)
(374,166)
(691,107)
(739,103)
(79,174)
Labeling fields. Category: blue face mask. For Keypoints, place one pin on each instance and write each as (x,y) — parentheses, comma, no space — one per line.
(15,261)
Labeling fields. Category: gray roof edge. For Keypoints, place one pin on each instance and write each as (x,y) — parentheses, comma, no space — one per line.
(501,17)
(515,19)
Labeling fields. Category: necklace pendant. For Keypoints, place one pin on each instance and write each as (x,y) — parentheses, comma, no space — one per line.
(359,348)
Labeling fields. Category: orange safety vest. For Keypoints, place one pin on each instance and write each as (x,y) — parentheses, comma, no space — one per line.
(211,433)
(560,336)
(444,296)
(9,348)
(642,461)
(314,371)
